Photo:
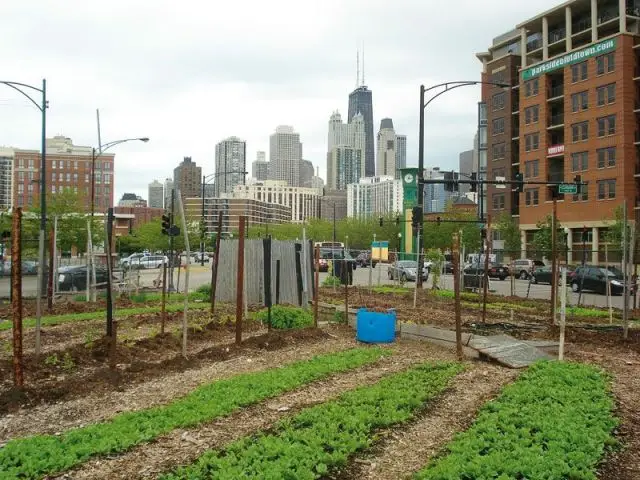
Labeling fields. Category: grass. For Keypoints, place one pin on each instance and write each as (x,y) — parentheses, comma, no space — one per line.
(319,438)
(37,456)
(387,289)
(85,316)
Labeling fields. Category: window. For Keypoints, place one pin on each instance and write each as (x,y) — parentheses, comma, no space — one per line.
(606,125)
(21,163)
(606,189)
(53,164)
(579,101)
(531,87)
(579,72)
(30,176)
(31,163)
(580,131)
(497,102)
(107,178)
(531,114)
(499,150)
(75,178)
(498,172)
(605,63)
(498,126)
(21,188)
(606,94)
(531,142)
(531,196)
(579,161)
(86,178)
(53,176)
(584,195)
(498,201)
(606,157)
(75,165)
(30,188)
(68,177)
(53,189)
(98,163)
(532,168)
(21,176)
(106,166)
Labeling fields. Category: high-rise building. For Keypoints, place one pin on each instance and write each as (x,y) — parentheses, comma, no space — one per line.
(6,178)
(401,154)
(187,179)
(570,111)
(231,165)
(156,194)
(386,149)
(168,188)
(345,135)
(436,198)
(68,167)
(285,153)
(306,173)
(344,165)
(132,200)
(373,196)
(361,103)
(468,164)
(260,167)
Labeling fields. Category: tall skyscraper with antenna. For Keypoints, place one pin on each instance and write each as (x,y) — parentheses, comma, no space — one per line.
(361,102)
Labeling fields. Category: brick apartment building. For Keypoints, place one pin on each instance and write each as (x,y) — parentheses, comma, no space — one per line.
(572,108)
(68,167)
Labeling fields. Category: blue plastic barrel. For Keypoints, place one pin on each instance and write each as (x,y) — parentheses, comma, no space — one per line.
(375,327)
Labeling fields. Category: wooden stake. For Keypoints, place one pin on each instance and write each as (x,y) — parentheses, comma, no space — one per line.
(316,292)
(456,288)
(240,281)
(16,302)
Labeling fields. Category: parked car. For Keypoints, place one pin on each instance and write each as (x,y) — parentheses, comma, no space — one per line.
(594,279)
(523,267)
(29,267)
(150,261)
(364,258)
(495,271)
(199,257)
(126,263)
(328,254)
(543,274)
(74,278)
(405,270)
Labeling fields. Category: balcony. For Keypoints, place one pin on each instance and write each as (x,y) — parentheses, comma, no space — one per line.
(556,121)
(637,174)
(534,45)
(556,92)
(636,107)
(555,177)
(637,206)
(637,139)
(581,25)
(557,35)
(515,133)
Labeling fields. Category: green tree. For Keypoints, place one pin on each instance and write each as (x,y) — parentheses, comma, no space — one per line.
(541,242)
(510,233)
(455,220)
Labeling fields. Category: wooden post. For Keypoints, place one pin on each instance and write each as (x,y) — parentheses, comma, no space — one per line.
(109,231)
(625,271)
(185,318)
(563,313)
(278,282)
(240,280)
(163,314)
(554,261)
(16,301)
(609,304)
(316,291)
(455,253)
(485,287)
(266,248)
(214,267)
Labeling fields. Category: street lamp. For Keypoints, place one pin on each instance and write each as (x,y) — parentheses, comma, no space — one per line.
(19,87)
(399,244)
(446,87)
(95,154)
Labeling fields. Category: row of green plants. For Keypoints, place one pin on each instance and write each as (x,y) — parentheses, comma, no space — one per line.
(285,317)
(309,444)
(555,421)
(37,456)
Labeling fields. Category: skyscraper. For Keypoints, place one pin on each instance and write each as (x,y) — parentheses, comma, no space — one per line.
(260,167)
(187,178)
(231,163)
(156,194)
(401,154)
(344,165)
(386,149)
(349,139)
(168,188)
(361,102)
(285,153)
(306,173)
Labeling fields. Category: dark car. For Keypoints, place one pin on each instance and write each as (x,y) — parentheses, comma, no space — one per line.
(594,279)
(495,271)
(337,254)
(364,258)
(543,274)
(74,279)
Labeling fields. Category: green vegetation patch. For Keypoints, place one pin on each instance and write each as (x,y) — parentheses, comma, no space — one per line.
(307,445)
(34,457)
(286,316)
(388,289)
(553,422)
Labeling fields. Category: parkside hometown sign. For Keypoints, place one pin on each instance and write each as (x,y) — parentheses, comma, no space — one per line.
(569,59)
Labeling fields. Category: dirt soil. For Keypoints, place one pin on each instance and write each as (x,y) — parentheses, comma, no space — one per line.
(63,306)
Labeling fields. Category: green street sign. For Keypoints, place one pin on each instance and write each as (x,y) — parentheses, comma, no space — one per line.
(570,188)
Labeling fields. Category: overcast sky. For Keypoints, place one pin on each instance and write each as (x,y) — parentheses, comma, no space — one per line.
(188,74)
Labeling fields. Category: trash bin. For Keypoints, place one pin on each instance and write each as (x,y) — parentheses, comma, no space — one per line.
(375,327)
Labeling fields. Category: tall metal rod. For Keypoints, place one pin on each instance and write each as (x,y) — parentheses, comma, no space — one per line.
(554,261)
(214,267)
(16,300)
(625,275)
(202,227)
(42,254)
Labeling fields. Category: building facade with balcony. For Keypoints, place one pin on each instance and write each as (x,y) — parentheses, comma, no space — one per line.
(374,196)
(572,108)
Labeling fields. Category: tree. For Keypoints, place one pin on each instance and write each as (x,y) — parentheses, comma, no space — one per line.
(541,242)
(614,233)
(510,233)
(439,236)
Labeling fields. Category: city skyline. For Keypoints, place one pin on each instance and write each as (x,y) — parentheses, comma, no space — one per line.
(299,89)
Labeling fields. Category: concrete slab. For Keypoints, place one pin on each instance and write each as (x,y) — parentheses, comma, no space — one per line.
(508,351)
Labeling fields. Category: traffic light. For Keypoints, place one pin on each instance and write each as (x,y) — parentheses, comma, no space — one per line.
(166,224)
(381,222)
(474,184)
(416,219)
(578,181)
(519,179)
(451,184)
(483,233)
(438,220)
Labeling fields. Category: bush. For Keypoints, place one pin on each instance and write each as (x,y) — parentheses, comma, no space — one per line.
(286,316)
(330,281)
(204,289)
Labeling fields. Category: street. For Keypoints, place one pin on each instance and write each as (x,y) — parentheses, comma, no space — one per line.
(379,276)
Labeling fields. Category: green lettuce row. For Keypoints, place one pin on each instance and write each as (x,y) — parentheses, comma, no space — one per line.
(36,456)
(553,422)
(308,444)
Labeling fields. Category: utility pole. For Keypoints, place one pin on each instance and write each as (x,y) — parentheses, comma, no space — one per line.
(554,261)
(171,253)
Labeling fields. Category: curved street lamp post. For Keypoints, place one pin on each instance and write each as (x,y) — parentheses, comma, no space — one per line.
(42,281)
(446,87)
